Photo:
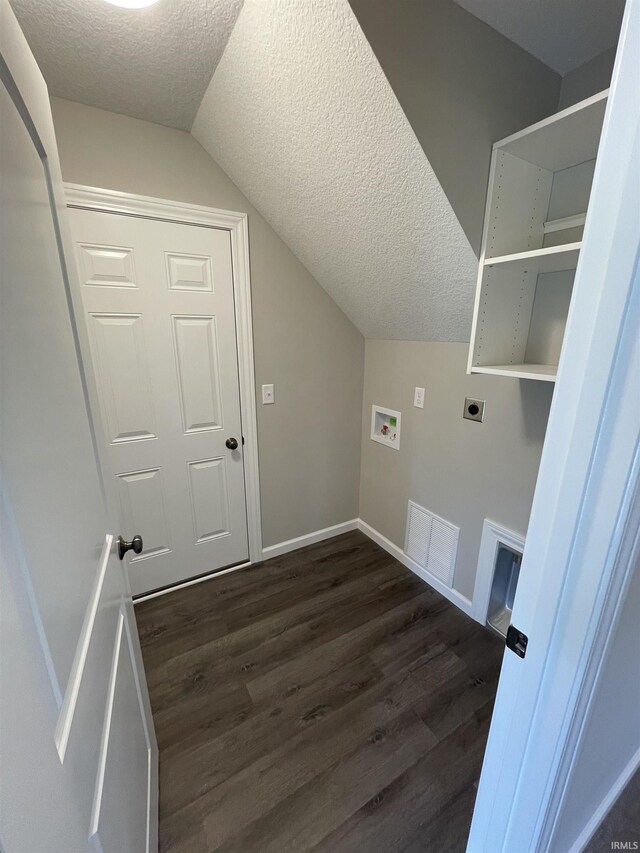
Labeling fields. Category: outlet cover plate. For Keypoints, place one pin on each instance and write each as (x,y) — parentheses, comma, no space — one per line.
(473,409)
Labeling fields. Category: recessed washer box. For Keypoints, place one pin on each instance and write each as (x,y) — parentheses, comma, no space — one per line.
(385,426)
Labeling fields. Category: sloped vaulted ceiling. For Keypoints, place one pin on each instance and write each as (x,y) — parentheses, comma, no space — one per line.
(152,63)
(301,116)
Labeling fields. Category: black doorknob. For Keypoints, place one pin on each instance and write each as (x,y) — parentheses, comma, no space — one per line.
(232,443)
(135,545)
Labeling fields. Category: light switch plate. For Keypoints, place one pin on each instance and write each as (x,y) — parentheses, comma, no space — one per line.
(418,398)
(268,396)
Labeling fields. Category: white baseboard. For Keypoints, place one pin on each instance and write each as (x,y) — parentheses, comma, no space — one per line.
(327,533)
(607,803)
(453,595)
(308,539)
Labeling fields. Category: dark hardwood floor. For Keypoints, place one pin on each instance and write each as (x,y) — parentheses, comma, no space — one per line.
(327,700)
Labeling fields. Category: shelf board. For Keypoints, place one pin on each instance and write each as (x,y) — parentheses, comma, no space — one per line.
(543,372)
(551,259)
(569,137)
(576,221)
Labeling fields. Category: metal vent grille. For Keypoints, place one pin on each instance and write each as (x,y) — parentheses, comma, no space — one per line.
(431,542)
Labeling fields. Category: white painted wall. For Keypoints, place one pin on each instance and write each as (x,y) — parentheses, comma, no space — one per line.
(461,470)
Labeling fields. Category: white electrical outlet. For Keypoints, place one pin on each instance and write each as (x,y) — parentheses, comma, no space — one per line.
(267,395)
(418,398)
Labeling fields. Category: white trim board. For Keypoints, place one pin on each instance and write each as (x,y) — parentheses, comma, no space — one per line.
(299,542)
(309,539)
(452,595)
(289,545)
(147,207)
(577,559)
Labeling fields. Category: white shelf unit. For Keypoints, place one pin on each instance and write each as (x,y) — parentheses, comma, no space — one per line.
(539,187)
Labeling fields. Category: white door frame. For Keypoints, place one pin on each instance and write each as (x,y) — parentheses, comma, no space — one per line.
(148,207)
(580,544)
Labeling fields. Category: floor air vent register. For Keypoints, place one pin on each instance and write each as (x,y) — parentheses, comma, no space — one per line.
(431,542)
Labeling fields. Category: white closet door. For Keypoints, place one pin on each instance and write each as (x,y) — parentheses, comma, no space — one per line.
(159,308)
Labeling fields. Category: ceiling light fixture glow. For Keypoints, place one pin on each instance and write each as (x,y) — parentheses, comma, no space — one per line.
(132,4)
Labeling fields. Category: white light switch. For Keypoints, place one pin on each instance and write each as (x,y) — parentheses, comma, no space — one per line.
(267,395)
(418,398)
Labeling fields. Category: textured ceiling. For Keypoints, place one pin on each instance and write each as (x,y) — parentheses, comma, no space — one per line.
(312,133)
(154,63)
(561,33)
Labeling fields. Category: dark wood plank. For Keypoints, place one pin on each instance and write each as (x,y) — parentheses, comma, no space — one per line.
(196,766)
(320,575)
(258,788)
(312,811)
(448,829)
(199,713)
(181,831)
(339,651)
(326,699)
(458,698)
(254,649)
(389,821)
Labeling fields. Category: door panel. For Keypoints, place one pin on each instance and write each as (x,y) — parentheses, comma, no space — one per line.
(85,695)
(106,266)
(122,370)
(102,671)
(158,298)
(142,497)
(189,272)
(196,346)
(62,585)
(118,821)
(209,499)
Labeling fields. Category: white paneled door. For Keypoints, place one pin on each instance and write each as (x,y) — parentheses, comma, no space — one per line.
(159,307)
(78,758)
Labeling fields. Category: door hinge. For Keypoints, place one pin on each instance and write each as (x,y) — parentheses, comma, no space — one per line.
(517,641)
(243,441)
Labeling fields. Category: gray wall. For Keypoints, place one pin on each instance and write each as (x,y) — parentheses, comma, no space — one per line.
(612,734)
(588,79)
(461,470)
(309,441)
(462,86)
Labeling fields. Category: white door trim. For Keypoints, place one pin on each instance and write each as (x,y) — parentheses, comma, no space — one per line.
(577,555)
(147,207)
